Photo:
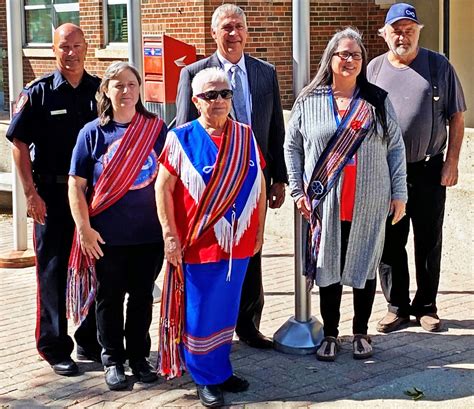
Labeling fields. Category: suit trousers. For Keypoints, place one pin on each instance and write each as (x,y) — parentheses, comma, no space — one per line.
(330,298)
(425,210)
(251,299)
(53,242)
(130,269)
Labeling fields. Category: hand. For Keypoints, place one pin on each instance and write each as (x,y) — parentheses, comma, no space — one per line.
(276,196)
(36,207)
(449,174)
(258,241)
(90,241)
(304,207)
(397,210)
(173,252)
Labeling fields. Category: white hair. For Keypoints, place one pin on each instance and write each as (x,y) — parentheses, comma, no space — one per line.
(227,10)
(207,75)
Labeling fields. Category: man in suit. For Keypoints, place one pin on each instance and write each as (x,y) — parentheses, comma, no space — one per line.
(256,102)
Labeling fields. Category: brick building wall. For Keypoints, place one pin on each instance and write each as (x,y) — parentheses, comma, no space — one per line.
(269,22)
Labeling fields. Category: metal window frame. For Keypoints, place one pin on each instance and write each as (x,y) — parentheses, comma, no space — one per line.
(105,23)
(54,8)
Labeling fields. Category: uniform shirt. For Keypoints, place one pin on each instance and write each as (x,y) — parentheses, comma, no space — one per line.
(410,92)
(49,114)
(133,218)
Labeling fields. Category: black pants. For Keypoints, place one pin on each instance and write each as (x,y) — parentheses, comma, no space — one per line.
(132,270)
(251,300)
(425,209)
(330,298)
(53,242)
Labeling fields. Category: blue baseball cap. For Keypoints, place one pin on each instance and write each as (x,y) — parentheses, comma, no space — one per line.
(400,11)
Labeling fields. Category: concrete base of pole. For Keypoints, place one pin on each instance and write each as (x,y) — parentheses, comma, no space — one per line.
(298,338)
(17,259)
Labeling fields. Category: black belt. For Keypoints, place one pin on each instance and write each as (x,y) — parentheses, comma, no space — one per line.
(51,179)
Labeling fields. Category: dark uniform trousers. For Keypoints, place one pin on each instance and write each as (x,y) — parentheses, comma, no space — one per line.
(330,297)
(130,269)
(425,209)
(53,242)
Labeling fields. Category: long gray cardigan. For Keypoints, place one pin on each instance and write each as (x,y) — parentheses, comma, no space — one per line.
(381,177)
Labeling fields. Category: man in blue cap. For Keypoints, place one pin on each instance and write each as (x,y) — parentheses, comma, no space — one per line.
(426,94)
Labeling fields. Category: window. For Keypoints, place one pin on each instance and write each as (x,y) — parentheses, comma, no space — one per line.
(115,17)
(43,16)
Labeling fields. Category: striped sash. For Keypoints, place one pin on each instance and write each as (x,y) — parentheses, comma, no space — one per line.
(220,193)
(349,135)
(116,179)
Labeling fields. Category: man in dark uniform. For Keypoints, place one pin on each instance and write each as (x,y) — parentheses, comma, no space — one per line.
(48,116)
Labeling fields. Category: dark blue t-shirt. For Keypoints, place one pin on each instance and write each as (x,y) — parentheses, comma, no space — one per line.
(133,218)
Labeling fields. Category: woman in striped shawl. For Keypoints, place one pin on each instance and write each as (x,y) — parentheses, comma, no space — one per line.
(211,204)
(346,165)
(118,247)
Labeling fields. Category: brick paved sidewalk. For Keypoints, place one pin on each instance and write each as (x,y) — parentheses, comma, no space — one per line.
(439,364)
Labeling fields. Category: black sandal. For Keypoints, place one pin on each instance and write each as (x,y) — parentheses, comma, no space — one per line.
(328,353)
(358,347)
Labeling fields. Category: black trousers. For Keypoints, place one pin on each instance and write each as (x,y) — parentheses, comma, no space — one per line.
(251,300)
(53,242)
(330,298)
(425,209)
(129,269)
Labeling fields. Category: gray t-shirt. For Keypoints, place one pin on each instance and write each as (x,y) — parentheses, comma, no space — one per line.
(410,92)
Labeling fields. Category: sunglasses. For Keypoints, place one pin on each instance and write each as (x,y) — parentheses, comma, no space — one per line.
(213,95)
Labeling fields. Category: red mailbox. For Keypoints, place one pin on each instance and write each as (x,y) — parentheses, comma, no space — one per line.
(164,57)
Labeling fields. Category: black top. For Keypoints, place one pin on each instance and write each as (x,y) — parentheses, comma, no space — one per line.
(49,114)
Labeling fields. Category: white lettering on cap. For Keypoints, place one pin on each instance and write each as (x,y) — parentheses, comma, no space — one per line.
(410,13)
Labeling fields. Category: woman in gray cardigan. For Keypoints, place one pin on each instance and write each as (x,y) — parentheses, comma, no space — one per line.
(346,166)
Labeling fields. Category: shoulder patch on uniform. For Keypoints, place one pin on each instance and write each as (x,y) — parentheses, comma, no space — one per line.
(36,80)
(20,102)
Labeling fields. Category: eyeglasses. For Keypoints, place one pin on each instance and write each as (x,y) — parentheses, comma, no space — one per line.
(345,55)
(213,95)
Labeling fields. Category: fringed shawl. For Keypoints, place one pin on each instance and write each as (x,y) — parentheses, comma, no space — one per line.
(115,180)
(216,179)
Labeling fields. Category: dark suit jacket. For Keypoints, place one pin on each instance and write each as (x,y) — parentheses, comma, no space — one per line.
(267,115)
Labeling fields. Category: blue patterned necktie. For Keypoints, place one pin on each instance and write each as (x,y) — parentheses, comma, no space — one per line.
(238,99)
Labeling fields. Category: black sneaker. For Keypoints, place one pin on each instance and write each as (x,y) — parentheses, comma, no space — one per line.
(144,371)
(115,377)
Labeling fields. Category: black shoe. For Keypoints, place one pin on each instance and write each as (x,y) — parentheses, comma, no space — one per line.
(88,355)
(66,368)
(211,396)
(115,377)
(234,384)
(258,340)
(144,371)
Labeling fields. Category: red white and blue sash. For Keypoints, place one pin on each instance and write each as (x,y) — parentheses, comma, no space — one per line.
(116,179)
(225,183)
(349,135)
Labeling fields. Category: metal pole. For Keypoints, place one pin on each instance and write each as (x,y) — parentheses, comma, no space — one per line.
(135,57)
(15,81)
(135,44)
(302,333)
